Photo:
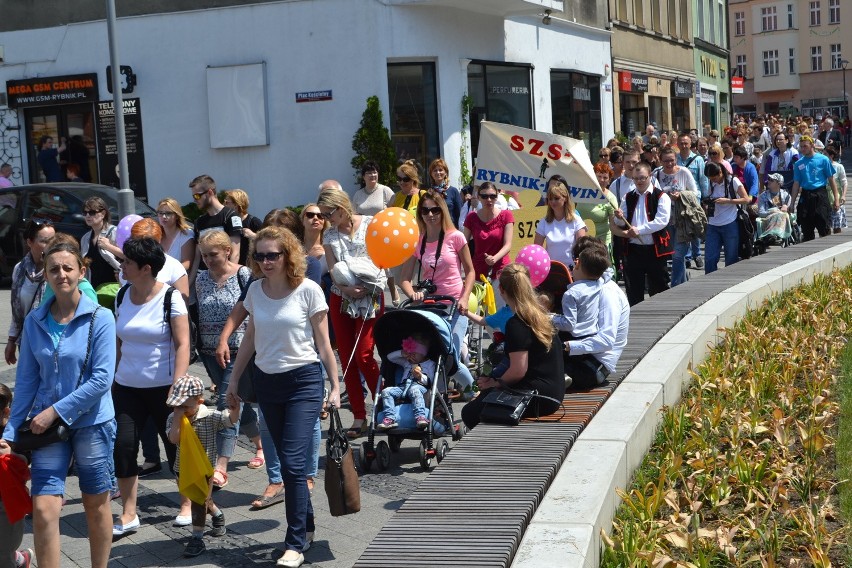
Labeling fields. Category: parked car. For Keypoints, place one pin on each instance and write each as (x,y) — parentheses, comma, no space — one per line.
(60,203)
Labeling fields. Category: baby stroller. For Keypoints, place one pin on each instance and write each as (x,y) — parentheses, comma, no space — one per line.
(431,318)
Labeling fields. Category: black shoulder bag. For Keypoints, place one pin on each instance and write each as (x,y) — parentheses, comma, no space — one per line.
(26,440)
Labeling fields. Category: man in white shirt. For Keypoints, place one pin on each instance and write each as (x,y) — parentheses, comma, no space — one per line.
(643,218)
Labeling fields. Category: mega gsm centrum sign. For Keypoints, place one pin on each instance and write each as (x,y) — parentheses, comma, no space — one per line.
(42,91)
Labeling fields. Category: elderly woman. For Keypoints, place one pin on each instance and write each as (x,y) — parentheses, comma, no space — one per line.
(440,174)
(238,200)
(353,308)
(74,331)
(561,225)
(288,331)
(443,257)
(491,232)
(774,222)
(153,350)
(373,196)
(533,348)
(98,244)
(177,238)
(28,284)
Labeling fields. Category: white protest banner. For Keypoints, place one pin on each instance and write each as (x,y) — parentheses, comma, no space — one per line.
(517,159)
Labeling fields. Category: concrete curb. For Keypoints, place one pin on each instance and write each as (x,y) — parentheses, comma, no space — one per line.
(566,528)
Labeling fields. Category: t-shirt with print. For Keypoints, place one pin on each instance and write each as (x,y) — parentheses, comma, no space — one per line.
(283,334)
(447,275)
(345,246)
(215,303)
(488,239)
(225,220)
(147,350)
(560,237)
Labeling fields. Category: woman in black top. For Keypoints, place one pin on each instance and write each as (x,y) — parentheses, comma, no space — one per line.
(98,244)
(532,344)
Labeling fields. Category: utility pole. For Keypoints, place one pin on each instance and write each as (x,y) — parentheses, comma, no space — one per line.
(126,205)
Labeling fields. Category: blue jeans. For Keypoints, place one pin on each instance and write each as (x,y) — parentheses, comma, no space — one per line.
(391,394)
(273,464)
(463,377)
(290,403)
(92,447)
(694,251)
(717,237)
(678,258)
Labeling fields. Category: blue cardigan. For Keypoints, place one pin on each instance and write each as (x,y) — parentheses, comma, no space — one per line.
(47,376)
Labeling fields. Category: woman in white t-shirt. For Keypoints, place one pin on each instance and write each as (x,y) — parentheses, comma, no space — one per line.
(561,227)
(727,193)
(153,352)
(288,331)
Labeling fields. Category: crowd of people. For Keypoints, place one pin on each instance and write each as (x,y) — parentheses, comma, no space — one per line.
(265,304)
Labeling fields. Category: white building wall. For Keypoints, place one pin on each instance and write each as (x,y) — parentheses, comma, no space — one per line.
(340,45)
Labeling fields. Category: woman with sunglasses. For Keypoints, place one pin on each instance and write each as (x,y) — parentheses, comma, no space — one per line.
(603,155)
(780,160)
(439,171)
(561,226)
(407,197)
(491,230)
(717,156)
(444,259)
(28,284)
(177,232)
(238,200)
(353,308)
(288,332)
(98,244)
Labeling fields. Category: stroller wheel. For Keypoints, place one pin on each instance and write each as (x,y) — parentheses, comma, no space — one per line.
(426,456)
(382,455)
(395,443)
(459,431)
(441,451)
(366,456)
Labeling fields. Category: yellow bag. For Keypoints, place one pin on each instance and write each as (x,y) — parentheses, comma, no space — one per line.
(489,301)
(195,466)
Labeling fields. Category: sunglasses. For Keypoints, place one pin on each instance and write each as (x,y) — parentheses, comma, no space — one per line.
(91,212)
(405,179)
(199,195)
(166,214)
(714,153)
(488,196)
(266,256)
(329,214)
(41,223)
(431,210)
(603,155)
(313,215)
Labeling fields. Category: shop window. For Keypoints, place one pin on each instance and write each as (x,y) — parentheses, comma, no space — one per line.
(413,103)
(575,102)
(501,93)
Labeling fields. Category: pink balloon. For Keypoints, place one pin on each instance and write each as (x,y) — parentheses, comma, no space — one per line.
(536,259)
(122,233)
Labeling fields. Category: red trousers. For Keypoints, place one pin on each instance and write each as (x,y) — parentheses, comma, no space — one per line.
(346,330)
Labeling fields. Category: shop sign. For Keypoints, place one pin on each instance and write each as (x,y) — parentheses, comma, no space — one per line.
(313,96)
(737,85)
(632,82)
(708,97)
(582,94)
(108,146)
(497,90)
(42,91)
(709,66)
(681,89)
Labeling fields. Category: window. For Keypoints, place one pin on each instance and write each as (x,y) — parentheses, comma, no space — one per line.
(816,58)
(770,62)
(638,13)
(769,19)
(741,66)
(815,13)
(833,11)
(701,33)
(792,61)
(835,56)
(414,111)
(576,106)
(622,11)
(790,12)
(500,92)
(672,18)
(739,24)
(655,16)
(685,22)
(712,14)
(723,38)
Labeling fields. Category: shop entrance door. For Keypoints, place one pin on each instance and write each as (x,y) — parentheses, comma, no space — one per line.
(633,121)
(75,123)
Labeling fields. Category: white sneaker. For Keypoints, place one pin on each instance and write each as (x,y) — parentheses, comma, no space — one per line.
(183,521)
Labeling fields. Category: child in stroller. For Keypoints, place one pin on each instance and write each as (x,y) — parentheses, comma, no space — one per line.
(418,374)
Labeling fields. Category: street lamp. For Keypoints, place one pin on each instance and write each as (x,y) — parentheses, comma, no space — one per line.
(844,63)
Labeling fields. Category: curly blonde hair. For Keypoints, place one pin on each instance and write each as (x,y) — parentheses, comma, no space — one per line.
(295,263)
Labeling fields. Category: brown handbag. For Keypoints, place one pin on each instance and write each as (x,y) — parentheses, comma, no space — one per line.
(341,480)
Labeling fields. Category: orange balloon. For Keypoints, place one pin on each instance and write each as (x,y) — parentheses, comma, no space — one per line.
(391,237)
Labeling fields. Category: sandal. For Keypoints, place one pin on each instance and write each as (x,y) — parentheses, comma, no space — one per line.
(221,481)
(264,501)
(257,461)
(357,431)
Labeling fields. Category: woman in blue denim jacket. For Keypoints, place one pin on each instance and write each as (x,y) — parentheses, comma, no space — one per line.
(51,384)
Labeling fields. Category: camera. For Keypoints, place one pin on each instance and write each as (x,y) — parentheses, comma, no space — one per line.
(709,206)
(426,286)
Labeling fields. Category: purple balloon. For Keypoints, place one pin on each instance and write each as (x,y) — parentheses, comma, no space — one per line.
(124,227)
